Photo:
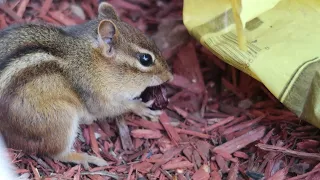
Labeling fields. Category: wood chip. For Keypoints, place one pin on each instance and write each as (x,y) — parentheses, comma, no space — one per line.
(220,123)
(177,165)
(172,133)
(11,13)
(22,8)
(124,134)
(215,123)
(240,142)
(315,156)
(45,7)
(202,173)
(147,134)
(93,142)
(62,18)
(233,173)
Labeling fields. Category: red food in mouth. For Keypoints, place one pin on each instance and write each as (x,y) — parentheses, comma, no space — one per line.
(158,94)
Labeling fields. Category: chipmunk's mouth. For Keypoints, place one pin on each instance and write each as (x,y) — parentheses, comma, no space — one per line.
(156,93)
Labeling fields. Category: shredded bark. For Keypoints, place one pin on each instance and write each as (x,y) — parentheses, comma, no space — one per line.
(219,123)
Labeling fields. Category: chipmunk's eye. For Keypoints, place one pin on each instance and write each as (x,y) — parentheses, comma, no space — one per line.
(145,59)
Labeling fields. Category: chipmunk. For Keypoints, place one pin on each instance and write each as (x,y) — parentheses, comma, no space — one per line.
(54,78)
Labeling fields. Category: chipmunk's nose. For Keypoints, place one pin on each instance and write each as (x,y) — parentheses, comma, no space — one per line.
(170,77)
(166,77)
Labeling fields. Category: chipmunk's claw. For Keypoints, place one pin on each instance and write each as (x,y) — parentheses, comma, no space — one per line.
(143,110)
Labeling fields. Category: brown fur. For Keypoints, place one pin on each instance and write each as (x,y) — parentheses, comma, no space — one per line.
(52,79)
(33,102)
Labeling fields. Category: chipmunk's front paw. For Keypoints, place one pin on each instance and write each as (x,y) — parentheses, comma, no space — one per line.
(143,110)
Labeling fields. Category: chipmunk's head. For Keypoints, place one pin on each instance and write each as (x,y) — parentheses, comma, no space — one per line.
(133,58)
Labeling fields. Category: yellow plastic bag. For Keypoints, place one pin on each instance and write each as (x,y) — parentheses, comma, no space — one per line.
(276,42)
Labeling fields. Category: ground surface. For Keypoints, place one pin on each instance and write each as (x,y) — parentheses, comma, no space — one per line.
(220,123)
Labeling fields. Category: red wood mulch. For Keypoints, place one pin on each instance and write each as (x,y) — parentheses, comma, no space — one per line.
(220,123)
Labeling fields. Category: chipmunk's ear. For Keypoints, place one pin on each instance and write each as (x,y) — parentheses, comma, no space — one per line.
(107,11)
(107,33)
